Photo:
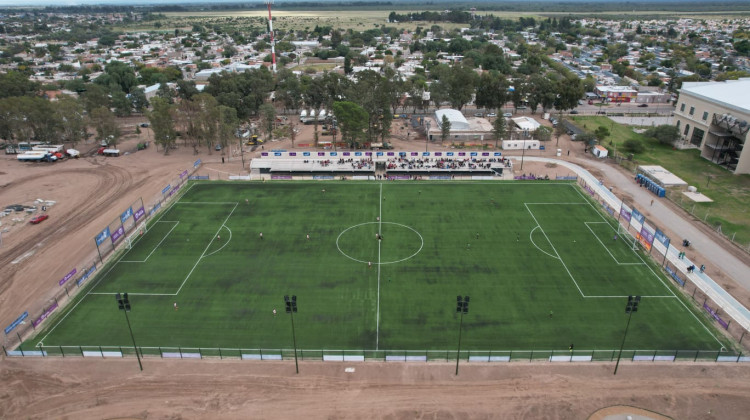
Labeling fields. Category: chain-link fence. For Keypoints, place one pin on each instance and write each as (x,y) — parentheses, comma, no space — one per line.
(111,241)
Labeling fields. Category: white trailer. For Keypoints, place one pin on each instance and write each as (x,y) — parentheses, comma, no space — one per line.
(51,148)
(36,156)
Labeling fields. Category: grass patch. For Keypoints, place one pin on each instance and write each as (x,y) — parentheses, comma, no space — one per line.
(731,193)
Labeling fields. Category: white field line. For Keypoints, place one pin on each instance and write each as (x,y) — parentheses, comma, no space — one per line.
(658,277)
(206,248)
(380,232)
(225,243)
(554,249)
(537,246)
(101,276)
(606,248)
(155,248)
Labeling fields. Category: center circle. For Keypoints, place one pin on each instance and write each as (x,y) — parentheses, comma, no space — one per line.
(399,242)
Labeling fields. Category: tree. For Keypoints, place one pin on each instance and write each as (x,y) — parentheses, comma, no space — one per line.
(559,130)
(499,129)
(162,123)
(94,97)
(119,74)
(14,83)
(664,134)
(268,118)
(633,146)
(601,133)
(69,112)
(352,120)
(106,127)
(123,106)
(445,128)
(543,133)
(138,99)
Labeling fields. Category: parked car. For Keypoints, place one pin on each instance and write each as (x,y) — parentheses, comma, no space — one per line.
(217,148)
(643,106)
(492,114)
(144,125)
(38,219)
(478,114)
(507,115)
(574,111)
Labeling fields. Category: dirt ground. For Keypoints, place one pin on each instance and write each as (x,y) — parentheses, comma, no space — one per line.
(91,191)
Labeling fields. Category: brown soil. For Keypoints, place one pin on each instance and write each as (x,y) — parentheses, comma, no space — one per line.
(92,191)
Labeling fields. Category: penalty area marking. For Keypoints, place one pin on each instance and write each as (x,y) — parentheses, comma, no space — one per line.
(225,242)
(421,245)
(157,245)
(531,237)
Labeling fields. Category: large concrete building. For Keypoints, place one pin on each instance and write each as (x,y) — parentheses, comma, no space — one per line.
(715,117)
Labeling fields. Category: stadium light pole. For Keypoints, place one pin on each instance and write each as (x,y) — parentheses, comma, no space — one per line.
(462,307)
(124,304)
(427,136)
(291,308)
(630,307)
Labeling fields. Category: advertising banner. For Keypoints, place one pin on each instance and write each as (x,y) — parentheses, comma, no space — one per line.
(44,316)
(101,237)
(117,234)
(67,277)
(625,212)
(126,215)
(675,276)
(197,162)
(139,213)
(198,177)
(716,316)
(87,274)
(166,189)
(638,216)
(16,323)
(184,173)
(645,237)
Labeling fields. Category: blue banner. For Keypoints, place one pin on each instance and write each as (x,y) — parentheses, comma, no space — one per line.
(357,153)
(87,274)
(661,237)
(449,154)
(334,153)
(126,215)
(322,176)
(277,153)
(198,177)
(638,216)
(153,210)
(497,154)
(305,153)
(102,236)
(166,189)
(675,276)
(16,323)
(197,162)
(473,153)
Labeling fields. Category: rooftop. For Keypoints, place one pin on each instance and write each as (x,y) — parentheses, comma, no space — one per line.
(730,92)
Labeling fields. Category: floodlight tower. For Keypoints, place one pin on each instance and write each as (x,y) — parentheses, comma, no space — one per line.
(270,29)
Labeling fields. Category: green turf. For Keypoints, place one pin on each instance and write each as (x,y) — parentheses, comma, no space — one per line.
(520,250)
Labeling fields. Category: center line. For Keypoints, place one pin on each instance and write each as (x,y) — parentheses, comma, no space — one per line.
(380,224)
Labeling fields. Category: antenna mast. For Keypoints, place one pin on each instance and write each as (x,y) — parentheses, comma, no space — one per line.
(273,42)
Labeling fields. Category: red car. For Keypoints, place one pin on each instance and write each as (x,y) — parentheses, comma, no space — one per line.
(38,219)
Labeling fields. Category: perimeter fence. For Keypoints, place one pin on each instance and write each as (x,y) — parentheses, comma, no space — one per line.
(384,355)
(717,304)
(113,240)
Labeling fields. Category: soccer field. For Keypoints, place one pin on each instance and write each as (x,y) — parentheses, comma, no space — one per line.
(540,262)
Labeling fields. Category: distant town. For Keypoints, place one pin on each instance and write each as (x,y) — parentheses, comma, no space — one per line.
(244,74)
